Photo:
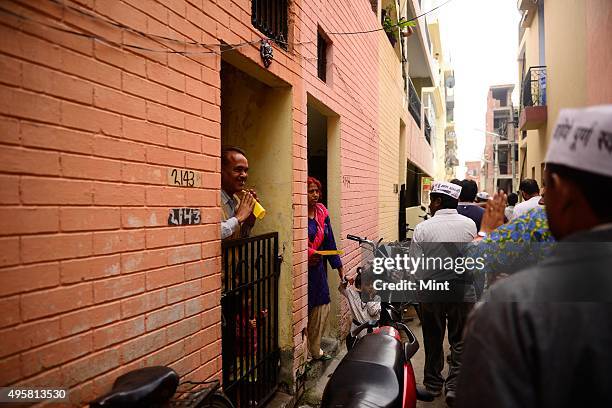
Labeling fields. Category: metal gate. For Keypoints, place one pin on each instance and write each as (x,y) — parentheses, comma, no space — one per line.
(249,309)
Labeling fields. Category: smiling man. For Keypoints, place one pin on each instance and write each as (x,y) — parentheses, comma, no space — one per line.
(236,203)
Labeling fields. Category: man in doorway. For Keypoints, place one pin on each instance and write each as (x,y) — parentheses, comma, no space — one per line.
(543,338)
(445,228)
(236,203)
(530,191)
(466,206)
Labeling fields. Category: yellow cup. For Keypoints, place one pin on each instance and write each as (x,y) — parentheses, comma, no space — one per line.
(258,211)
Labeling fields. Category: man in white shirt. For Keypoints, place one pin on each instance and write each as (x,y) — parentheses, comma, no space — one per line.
(509,210)
(238,218)
(446,227)
(530,191)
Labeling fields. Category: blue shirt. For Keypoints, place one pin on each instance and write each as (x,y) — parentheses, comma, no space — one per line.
(474,212)
(318,289)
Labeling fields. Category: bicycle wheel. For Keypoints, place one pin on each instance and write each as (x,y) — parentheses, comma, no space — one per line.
(216,400)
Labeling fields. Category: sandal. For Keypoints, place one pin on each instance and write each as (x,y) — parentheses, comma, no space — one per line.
(324,357)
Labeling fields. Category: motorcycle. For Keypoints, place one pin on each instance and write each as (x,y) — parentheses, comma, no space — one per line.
(376,371)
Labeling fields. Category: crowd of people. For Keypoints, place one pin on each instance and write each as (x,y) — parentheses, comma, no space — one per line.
(540,333)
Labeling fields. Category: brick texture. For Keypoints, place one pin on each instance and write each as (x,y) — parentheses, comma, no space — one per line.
(94,281)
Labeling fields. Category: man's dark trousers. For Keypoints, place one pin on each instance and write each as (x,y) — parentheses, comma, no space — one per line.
(434,317)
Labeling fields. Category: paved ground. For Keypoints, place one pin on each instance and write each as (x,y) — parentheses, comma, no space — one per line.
(312,397)
(418,362)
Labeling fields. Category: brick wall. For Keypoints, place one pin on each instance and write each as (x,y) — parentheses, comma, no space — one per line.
(94,282)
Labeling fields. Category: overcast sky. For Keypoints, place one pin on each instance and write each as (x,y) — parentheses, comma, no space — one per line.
(481,38)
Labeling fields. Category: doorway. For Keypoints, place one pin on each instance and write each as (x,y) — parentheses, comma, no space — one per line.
(256,116)
(323,157)
(317,148)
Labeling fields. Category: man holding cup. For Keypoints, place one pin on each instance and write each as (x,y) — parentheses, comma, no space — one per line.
(236,203)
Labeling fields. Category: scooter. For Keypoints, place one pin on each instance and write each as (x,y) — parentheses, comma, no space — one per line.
(376,372)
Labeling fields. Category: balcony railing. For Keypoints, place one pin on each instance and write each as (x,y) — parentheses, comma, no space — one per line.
(414,103)
(534,87)
(270,17)
(533,99)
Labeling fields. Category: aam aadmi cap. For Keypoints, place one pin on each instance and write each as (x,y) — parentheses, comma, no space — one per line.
(450,189)
(582,139)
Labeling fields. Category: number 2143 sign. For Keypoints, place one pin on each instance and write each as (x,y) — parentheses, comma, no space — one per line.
(184,178)
(184,216)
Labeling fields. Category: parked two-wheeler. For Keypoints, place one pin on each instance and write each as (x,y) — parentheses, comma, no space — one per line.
(376,371)
(160,387)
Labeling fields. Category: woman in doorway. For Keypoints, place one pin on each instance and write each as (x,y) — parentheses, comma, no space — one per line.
(320,238)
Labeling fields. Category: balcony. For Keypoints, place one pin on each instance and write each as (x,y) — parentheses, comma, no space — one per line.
(534,113)
(270,17)
(414,103)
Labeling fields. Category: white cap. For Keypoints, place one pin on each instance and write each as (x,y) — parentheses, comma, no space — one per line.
(582,140)
(483,195)
(450,189)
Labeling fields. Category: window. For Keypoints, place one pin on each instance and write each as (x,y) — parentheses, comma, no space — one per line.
(374,4)
(270,17)
(503,160)
(321,57)
(501,95)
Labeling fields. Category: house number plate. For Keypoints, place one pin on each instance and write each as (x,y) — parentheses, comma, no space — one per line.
(184,216)
(184,178)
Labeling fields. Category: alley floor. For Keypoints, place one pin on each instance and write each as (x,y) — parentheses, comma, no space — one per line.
(313,396)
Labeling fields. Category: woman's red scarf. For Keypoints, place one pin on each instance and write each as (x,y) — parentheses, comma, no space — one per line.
(320,215)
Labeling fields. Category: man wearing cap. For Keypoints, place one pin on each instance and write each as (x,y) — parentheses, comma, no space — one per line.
(543,338)
(445,228)
(530,191)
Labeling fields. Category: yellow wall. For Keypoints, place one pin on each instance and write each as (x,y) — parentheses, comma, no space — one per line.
(258,119)
(536,139)
(565,53)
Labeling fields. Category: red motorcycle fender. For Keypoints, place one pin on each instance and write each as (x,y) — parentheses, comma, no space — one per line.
(389,331)
(410,398)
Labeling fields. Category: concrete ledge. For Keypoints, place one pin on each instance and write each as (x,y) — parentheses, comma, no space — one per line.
(533,117)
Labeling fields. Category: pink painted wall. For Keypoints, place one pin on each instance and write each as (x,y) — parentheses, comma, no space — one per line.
(599,51)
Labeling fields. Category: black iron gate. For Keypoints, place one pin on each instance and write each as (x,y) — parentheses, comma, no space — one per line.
(249,308)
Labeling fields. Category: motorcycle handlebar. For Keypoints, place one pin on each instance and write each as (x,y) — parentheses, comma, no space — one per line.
(354,238)
(367,325)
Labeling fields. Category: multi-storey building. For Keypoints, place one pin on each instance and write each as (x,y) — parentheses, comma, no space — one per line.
(473,171)
(501,148)
(113,116)
(450,161)
(564,62)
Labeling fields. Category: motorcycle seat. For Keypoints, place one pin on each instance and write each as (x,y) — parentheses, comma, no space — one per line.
(146,387)
(370,375)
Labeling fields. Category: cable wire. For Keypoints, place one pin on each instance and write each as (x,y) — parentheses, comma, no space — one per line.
(395,25)
(222,47)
